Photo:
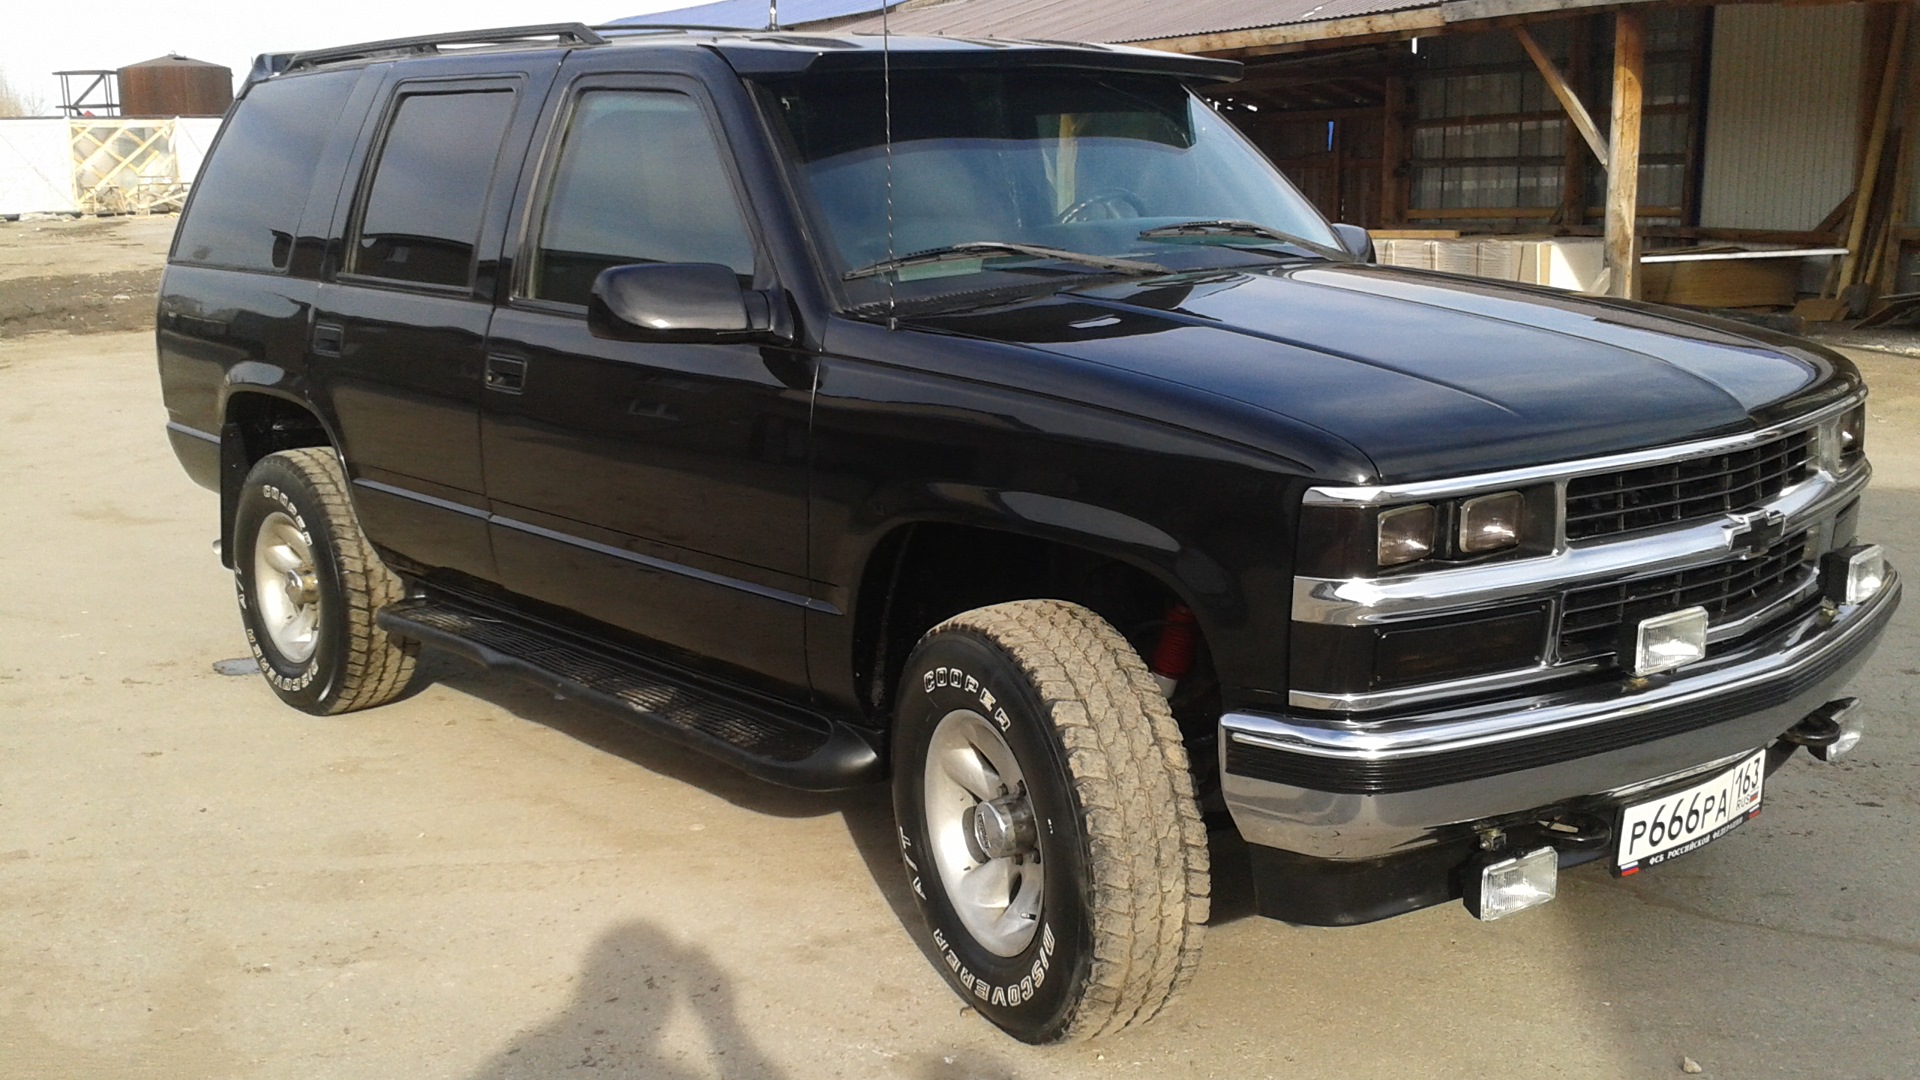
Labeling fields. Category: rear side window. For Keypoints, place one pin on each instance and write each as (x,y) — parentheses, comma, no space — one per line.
(640,179)
(248,197)
(421,217)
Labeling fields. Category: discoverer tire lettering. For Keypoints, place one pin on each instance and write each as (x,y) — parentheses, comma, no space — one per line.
(314,636)
(1115,832)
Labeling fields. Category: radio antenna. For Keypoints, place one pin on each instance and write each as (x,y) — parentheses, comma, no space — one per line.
(886,107)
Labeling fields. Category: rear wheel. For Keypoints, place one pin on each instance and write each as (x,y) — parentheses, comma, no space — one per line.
(309,585)
(1047,821)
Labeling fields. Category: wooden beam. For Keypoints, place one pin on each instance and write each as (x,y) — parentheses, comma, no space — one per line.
(1569,100)
(1393,151)
(1623,166)
(1573,164)
(1363,26)
(1870,160)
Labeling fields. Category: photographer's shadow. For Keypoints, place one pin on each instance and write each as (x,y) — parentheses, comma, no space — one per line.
(636,983)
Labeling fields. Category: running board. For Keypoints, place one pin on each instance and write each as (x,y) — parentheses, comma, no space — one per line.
(763,738)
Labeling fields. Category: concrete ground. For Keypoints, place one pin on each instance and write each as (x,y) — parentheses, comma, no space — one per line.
(481,883)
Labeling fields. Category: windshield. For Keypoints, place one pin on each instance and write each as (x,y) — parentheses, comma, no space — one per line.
(1078,162)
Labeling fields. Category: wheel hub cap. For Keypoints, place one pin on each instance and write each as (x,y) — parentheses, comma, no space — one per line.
(1003,828)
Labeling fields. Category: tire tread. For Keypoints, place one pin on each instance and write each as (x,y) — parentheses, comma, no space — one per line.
(1147,844)
(375,667)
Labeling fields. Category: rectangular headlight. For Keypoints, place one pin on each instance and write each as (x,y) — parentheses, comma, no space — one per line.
(1405,534)
(1843,439)
(1490,522)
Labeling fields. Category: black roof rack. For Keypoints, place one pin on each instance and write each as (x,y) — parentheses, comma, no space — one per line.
(577,33)
(641,28)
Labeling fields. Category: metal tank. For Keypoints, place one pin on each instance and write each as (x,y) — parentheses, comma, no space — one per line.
(175,86)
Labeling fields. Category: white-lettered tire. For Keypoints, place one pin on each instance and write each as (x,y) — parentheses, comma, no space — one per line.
(1047,821)
(310,585)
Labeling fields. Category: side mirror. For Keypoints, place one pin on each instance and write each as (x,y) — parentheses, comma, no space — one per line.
(697,303)
(1356,240)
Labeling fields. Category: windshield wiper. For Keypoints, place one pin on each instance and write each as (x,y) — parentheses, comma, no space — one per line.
(987,249)
(1229,227)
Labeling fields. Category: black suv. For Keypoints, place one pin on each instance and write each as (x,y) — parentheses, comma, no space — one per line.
(992,416)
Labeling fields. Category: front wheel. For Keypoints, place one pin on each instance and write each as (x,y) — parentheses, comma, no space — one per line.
(1047,821)
(310,585)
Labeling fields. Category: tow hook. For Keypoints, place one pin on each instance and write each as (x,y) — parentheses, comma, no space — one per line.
(1829,732)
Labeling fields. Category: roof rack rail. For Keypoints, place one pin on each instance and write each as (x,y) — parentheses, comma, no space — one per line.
(633,28)
(577,33)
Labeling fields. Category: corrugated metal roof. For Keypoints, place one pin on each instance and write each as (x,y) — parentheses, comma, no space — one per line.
(1116,21)
(752,14)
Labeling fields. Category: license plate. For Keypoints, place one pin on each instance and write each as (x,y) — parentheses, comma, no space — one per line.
(1673,824)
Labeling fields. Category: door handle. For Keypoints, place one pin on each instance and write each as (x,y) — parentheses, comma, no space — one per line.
(329,339)
(507,374)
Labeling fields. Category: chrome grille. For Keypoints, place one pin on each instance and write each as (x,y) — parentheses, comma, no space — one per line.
(1618,502)
(1591,618)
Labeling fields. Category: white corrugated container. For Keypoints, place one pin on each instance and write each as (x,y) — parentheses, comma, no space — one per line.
(1782,132)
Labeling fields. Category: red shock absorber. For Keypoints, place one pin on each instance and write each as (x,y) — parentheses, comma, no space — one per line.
(1173,655)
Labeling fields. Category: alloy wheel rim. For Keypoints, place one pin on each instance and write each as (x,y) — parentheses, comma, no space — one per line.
(981,834)
(286,588)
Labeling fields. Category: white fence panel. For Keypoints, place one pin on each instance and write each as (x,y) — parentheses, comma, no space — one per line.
(36,167)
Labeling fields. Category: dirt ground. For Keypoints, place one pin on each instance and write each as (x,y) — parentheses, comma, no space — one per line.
(482,883)
(81,275)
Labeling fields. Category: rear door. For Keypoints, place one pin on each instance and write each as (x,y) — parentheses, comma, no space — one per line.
(397,338)
(658,488)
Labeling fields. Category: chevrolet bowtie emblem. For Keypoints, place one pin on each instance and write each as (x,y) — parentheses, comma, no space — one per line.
(1751,536)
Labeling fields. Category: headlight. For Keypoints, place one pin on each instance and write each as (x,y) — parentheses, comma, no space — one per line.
(1358,540)
(1843,440)
(1490,522)
(1851,436)
(1405,534)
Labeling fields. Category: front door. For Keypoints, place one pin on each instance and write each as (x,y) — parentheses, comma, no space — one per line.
(658,488)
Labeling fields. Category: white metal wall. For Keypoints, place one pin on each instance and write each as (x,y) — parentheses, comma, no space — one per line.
(36,167)
(37,161)
(1782,115)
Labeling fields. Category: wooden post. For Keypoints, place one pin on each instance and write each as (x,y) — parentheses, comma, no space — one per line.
(1573,163)
(1623,167)
(1870,160)
(1393,151)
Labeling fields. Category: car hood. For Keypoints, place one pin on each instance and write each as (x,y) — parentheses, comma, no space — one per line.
(1429,375)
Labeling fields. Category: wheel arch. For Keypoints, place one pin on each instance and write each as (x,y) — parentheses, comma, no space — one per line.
(920,573)
(256,421)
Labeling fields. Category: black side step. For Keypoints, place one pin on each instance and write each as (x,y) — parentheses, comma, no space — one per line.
(766,739)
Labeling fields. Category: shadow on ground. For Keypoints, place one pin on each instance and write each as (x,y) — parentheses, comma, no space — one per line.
(644,1006)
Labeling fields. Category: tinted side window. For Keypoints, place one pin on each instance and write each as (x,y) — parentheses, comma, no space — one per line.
(641,178)
(421,217)
(248,197)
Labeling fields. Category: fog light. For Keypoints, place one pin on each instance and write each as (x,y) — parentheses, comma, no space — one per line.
(1853,574)
(1515,884)
(1665,642)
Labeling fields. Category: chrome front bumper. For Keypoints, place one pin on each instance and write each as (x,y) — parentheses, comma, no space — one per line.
(1337,789)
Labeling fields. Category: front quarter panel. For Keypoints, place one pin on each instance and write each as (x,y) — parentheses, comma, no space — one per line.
(942,430)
